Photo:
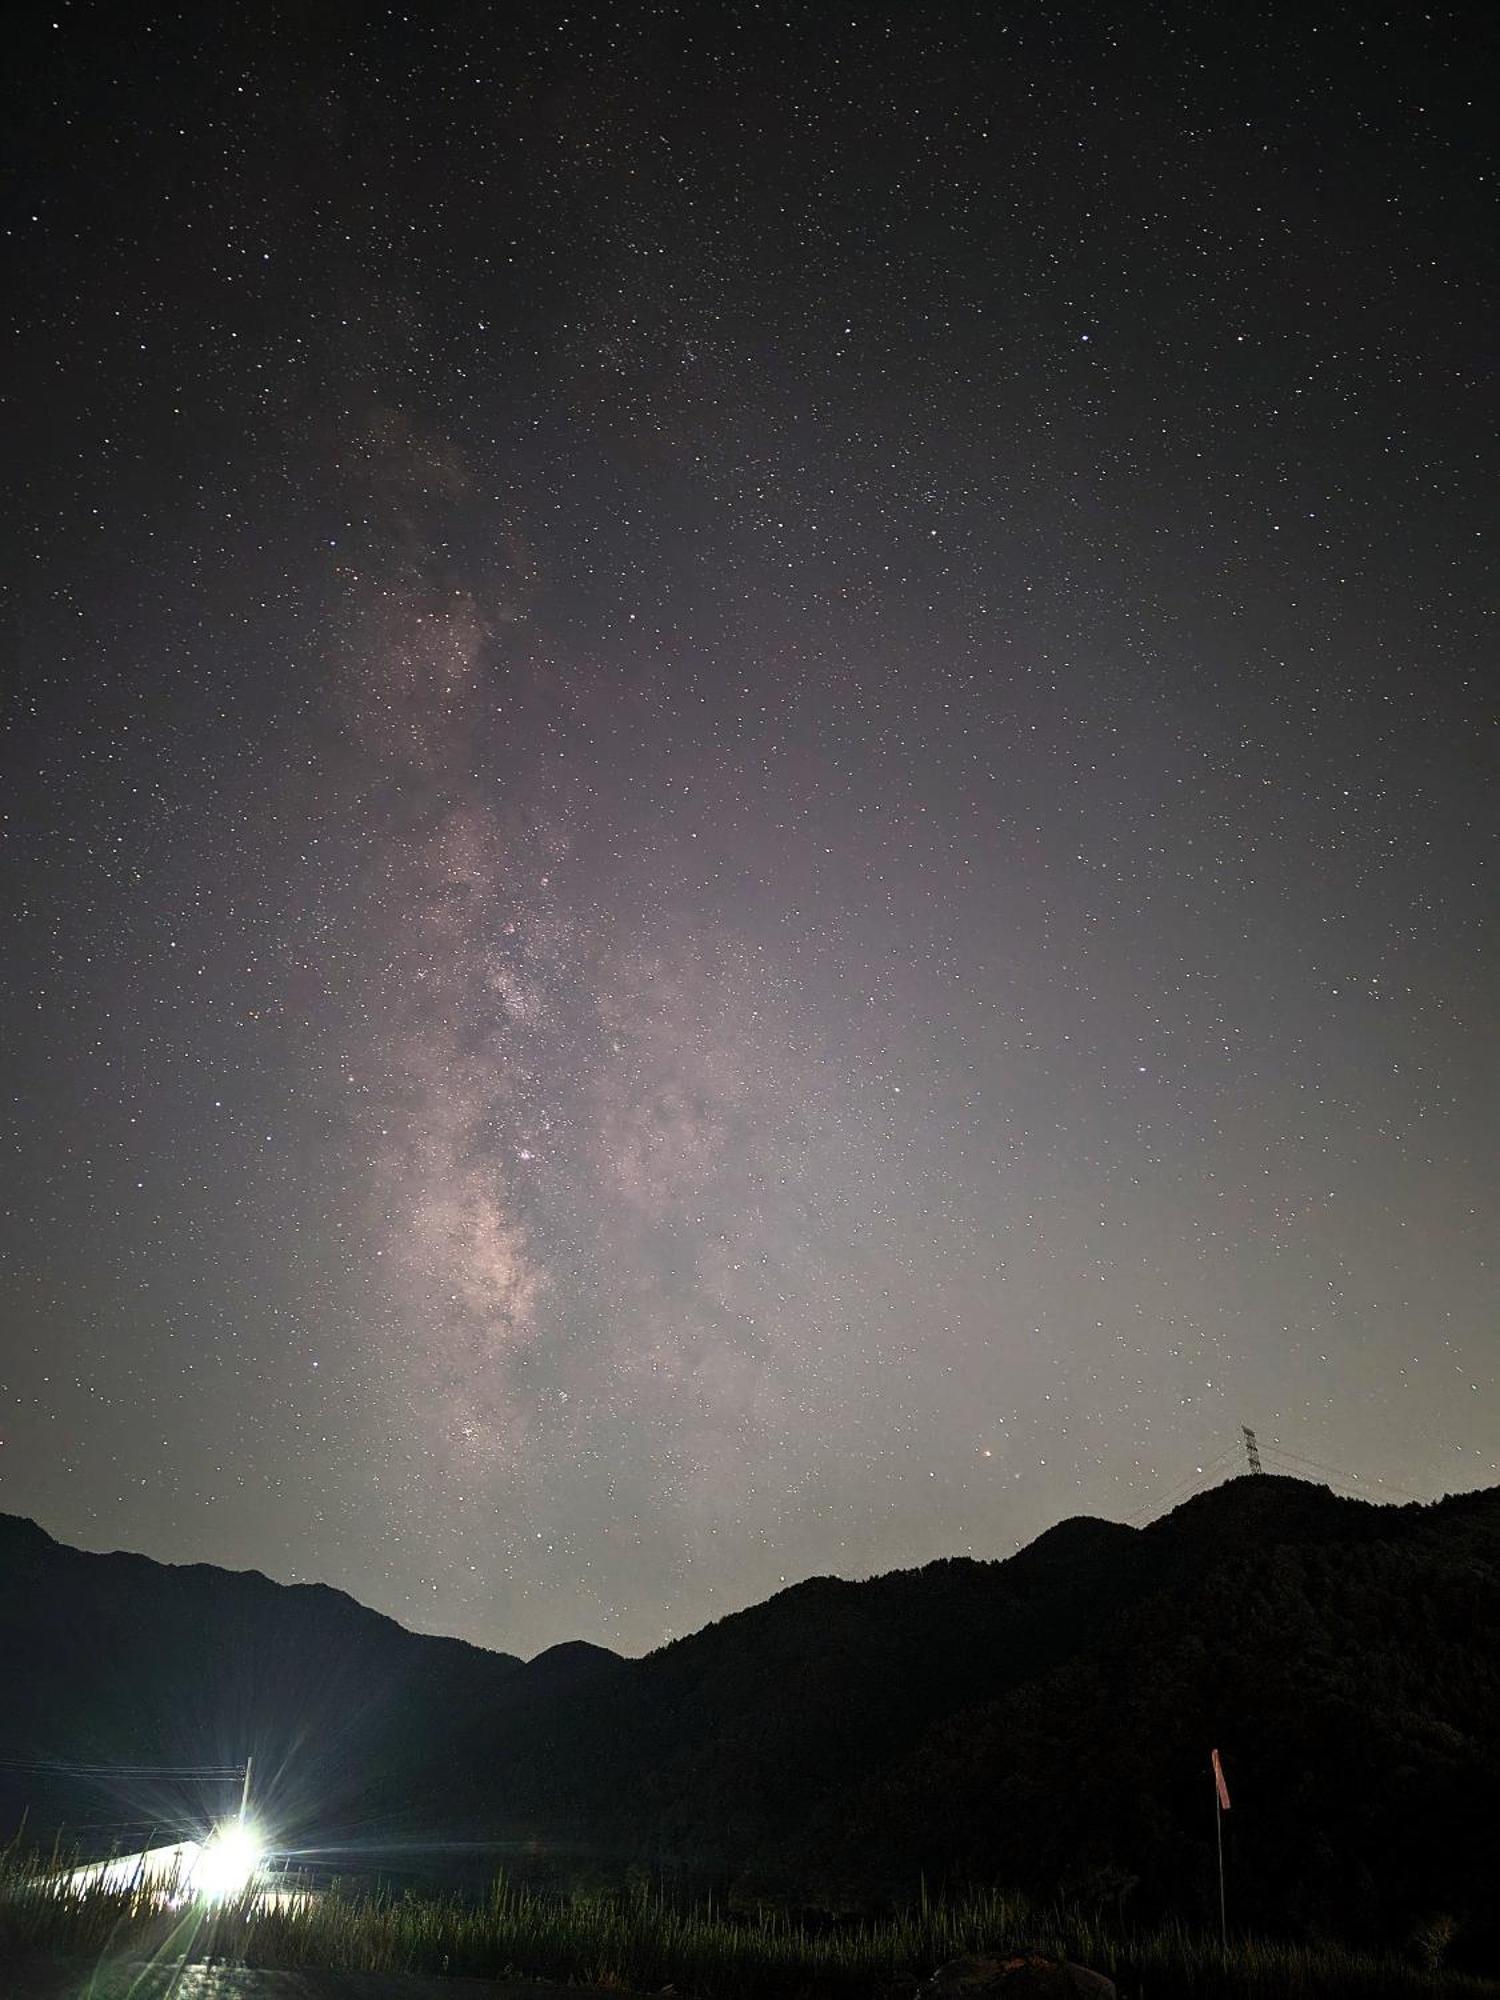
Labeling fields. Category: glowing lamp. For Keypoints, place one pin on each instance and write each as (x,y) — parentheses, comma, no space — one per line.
(227,1863)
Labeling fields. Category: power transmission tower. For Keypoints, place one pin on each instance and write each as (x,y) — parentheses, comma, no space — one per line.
(1252,1449)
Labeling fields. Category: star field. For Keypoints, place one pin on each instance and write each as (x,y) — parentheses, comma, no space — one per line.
(746,820)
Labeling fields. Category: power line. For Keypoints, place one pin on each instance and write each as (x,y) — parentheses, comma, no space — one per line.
(127,1825)
(1357,1478)
(1183,1488)
(53,1767)
(1294,1464)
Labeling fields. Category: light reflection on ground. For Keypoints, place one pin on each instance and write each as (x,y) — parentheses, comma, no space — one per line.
(40,1977)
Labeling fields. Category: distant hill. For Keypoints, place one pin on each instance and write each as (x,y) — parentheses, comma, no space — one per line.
(118,1660)
(1043,1721)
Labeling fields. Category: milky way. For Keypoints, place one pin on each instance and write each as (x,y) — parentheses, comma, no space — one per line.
(744,823)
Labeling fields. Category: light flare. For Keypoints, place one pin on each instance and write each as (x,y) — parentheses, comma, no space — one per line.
(228,1863)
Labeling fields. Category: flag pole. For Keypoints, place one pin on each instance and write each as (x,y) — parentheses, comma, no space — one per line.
(1221,1799)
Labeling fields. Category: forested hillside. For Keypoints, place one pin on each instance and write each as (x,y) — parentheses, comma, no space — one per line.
(1043,1721)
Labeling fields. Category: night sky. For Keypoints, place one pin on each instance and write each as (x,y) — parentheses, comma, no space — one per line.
(748,816)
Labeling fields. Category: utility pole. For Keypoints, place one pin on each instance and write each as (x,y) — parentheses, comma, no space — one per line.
(1252,1449)
(245,1793)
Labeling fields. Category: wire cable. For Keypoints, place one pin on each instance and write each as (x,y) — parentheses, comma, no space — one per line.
(1360,1478)
(1184,1488)
(57,1768)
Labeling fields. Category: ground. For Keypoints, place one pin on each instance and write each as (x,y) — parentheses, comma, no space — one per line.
(40,1976)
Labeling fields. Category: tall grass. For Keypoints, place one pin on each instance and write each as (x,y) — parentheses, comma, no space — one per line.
(645,1941)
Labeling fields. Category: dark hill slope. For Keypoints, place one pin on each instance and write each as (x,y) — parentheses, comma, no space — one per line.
(118,1660)
(1049,1719)
(1351,1680)
(721,1744)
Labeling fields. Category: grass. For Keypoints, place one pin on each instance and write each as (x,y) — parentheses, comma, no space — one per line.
(645,1941)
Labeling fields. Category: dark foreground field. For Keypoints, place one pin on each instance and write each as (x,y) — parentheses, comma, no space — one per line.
(44,1976)
(61,1943)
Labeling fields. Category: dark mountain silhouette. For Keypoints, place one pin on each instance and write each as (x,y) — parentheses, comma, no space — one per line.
(118,1660)
(569,1666)
(1043,1721)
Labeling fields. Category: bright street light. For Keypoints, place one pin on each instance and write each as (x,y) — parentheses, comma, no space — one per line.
(227,1864)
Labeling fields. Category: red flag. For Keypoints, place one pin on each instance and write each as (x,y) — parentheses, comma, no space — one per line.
(1219,1784)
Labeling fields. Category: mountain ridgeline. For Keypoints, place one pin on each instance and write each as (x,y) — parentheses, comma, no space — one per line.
(1043,1722)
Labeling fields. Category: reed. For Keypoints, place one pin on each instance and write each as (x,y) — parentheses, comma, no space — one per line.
(644,1940)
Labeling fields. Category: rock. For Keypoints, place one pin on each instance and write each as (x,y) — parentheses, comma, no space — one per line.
(1022,1975)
